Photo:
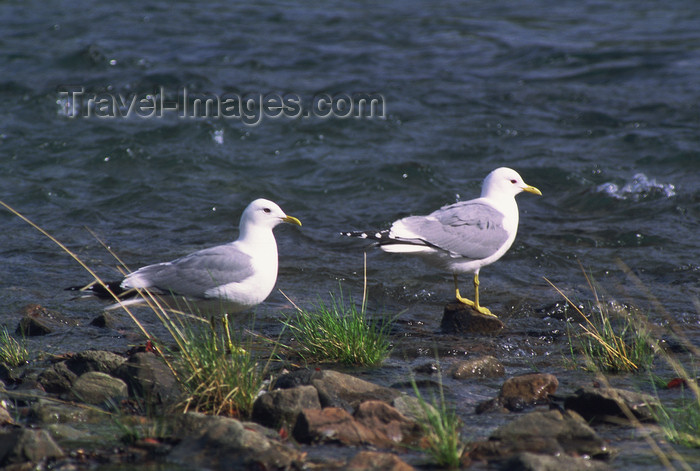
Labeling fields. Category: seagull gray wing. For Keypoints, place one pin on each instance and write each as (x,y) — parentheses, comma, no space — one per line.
(194,274)
(468,229)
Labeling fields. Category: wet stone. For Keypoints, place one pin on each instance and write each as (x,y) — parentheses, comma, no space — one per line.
(483,367)
(459,318)
(609,405)
(527,389)
(57,378)
(536,462)
(37,320)
(94,360)
(334,425)
(282,406)
(388,421)
(104,320)
(552,432)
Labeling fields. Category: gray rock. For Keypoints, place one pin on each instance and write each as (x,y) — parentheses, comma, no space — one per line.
(609,404)
(95,360)
(149,378)
(222,443)
(46,411)
(534,462)
(341,390)
(411,407)
(19,445)
(57,378)
(37,320)
(94,387)
(551,432)
(282,406)
(482,367)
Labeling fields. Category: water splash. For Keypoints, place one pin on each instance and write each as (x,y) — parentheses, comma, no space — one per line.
(639,188)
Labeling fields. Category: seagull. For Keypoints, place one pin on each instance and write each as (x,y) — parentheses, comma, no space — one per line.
(461,237)
(232,277)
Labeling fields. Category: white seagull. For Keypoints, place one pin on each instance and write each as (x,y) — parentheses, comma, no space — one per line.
(461,237)
(232,277)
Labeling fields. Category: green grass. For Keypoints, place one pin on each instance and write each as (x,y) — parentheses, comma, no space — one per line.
(219,373)
(442,429)
(339,333)
(13,352)
(680,422)
(611,339)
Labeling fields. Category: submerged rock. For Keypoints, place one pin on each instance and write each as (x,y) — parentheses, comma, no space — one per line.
(459,318)
(482,367)
(552,432)
(522,391)
(535,462)
(38,320)
(610,404)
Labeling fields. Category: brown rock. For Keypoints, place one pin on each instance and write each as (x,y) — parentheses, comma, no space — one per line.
(459,318)
(482,367)
(375,461)
(388,421)
(335,426)
(610,404)
(528,389)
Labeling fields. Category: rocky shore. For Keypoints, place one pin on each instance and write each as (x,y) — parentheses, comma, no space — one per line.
(89,408)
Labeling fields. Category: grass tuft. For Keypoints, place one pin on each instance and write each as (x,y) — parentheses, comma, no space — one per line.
(219,373)
(680,423)
(340,333)
(611,338)
(442,429)
(13,352)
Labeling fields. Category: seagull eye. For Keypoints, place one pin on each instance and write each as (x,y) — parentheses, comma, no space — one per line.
(514,181)
(267,210)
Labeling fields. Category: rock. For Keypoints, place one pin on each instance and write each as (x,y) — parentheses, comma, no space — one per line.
(37,320)
(95,360)
(482,367)
(386,420)
(19,445)
(411,407)
(334,425)
(551,432)
(375,461)
(528,389)
(94,387)
(459,318)
(104,320)
(608,404)
(222,444)
(57,378)
(342,390)
(300,377)
(5,416)
(534,462)
(282,406)
(54,412)
(148,377)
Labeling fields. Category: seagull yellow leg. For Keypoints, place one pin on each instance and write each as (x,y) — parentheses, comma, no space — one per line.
(459,297)
(476,306)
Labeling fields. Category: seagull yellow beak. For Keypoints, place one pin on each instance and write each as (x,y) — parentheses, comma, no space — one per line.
(291,220)
(532,189)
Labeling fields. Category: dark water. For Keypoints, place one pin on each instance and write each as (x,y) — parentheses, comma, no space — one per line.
(596,103)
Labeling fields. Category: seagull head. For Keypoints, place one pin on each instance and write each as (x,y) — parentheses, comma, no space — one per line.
(265,213)
(505,181)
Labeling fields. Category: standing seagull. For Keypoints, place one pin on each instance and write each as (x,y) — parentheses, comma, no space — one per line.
(234,276)
(461,237)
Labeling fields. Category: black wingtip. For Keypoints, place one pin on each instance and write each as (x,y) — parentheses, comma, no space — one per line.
(96,289)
